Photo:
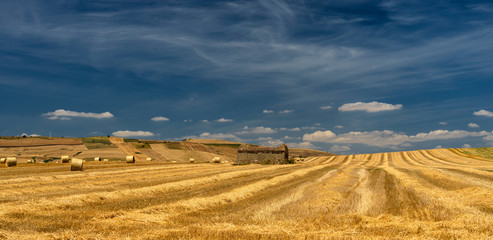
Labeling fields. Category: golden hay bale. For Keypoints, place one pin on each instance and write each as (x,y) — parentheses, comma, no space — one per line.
(130,159)
(192,160)
(2,160)
(65,159)
(173,161)
(11,161)
(76,164)
(30,161)
(216,160)
(149,159)
(105,160)
(97,159)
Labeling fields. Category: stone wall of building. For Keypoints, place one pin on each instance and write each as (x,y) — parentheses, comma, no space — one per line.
(263,155)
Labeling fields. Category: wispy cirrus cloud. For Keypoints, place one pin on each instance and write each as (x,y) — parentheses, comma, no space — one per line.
(62,114)
(408,46)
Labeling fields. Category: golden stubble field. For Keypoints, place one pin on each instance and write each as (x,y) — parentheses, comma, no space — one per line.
(432,194)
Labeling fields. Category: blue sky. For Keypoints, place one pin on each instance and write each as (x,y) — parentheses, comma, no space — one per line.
(341,76)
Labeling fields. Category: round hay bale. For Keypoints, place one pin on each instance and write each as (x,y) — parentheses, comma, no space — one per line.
(65,159)
(216,160)
(192,160)
(76,164)
(3,160)
(130,159)
(30,161)
(97,159)
(11,162)
(149,159)
(173,161)
(105,160)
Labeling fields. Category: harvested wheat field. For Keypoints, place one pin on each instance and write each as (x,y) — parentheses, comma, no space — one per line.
(425,194)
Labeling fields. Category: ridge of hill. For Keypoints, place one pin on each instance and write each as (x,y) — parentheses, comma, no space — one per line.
(116,148)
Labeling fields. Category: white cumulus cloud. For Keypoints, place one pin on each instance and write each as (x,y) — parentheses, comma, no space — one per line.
(272,143)
(466,146)
(339,126)
(319,136)
(268,111)
(489,137)
(325,107)
(207,135)
(30,135)
(61,114)
(223,120)
(286,111)
(473,125)
(296,129)
(483,113)
(289,138)
(339,148)
(306,145)
(387,138)
(218,135)
(369,107)
(127,133)
(256,130)
(160,119)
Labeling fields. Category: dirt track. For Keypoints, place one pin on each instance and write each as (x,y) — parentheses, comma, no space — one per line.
(128,148)
(432,194)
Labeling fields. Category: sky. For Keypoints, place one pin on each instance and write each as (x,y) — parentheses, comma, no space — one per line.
(341,76)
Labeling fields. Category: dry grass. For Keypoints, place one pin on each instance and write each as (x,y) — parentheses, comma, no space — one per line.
(433,194)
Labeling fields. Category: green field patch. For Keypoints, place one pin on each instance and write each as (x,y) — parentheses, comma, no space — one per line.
(174,145)
(233,145)
(482,152)
(97,142)
(140,145)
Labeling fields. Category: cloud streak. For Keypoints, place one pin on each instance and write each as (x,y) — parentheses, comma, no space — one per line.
(224,120)
(62,114)
(370,107)
(160,119)
(127,133)
(256,130)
